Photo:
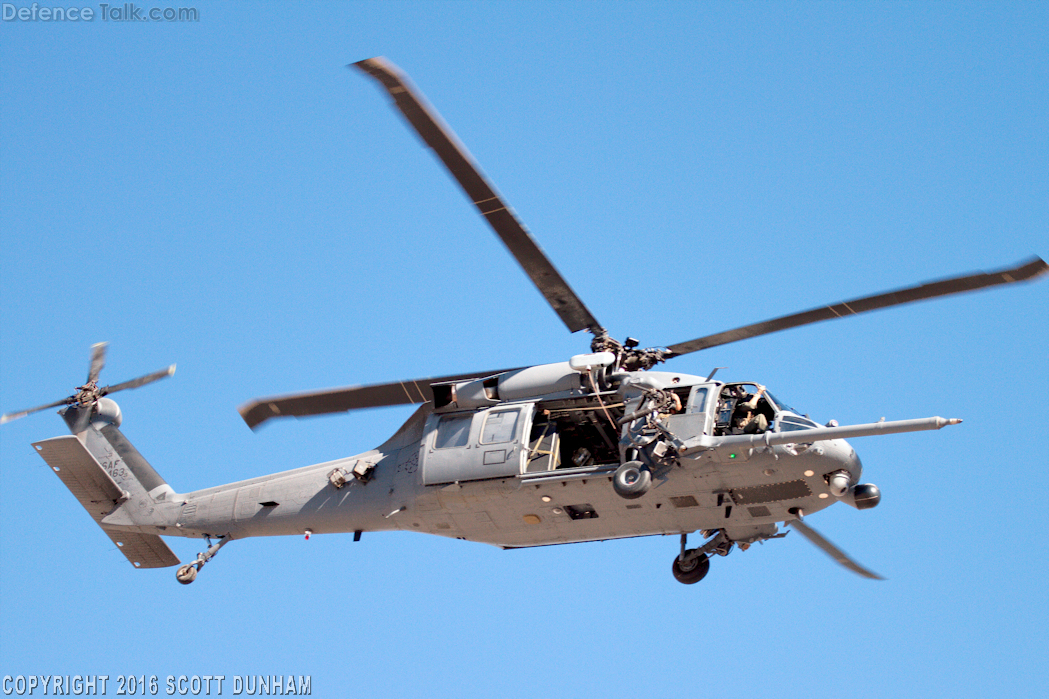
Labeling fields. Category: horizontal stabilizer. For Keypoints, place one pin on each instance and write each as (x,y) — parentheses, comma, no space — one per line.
(100,495)
(143,550)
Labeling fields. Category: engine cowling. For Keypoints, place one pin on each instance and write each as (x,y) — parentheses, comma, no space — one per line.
(523,384)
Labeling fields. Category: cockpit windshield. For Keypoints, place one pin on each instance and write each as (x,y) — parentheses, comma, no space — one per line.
(780,405)
(785,421)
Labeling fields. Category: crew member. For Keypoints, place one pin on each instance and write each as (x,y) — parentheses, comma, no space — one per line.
(747,419)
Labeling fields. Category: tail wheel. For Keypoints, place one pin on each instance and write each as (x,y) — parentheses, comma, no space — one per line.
(186,574)
(632,480)
(691,572)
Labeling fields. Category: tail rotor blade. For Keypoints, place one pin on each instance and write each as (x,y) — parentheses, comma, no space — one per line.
(98,360)
(140,381)
(832,550)
(8,417)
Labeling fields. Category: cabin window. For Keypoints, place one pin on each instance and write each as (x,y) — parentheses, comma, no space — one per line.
(499,427)
(698,402)
(452,431)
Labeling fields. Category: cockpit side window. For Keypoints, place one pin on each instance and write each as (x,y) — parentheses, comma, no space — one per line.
(743,408)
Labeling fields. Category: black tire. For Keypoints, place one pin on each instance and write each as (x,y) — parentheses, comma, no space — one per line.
(632,480)
(695,571)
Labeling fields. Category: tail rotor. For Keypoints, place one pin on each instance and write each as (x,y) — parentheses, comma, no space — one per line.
(88,395)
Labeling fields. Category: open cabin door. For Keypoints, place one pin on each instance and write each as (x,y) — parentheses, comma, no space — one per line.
(476,445)
(695,419)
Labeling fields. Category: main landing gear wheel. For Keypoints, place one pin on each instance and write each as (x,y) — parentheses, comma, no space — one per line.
(632,480)
(692,571)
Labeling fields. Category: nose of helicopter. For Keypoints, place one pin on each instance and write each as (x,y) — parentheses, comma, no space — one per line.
(844,470)
(838,455)
(850,460)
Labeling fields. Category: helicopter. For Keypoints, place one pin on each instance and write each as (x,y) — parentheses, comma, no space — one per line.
(601,446)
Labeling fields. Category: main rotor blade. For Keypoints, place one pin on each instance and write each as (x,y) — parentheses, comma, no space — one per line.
(340,400)
(8,417)
(832,550)
(140,381)
(98,360)
(1029,269)
(438,136)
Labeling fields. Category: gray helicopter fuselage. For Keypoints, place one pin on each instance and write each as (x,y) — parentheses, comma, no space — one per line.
(578,505)
(487,486)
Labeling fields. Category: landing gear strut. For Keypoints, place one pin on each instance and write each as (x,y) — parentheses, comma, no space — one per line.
(692,570)
(188,573)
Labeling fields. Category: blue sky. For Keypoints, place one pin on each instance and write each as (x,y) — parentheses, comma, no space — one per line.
(226,195)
